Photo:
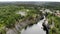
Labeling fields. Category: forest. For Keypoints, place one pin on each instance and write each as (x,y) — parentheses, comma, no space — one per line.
(9,16)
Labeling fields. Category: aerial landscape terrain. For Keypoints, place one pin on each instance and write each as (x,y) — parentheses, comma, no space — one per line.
(29,17)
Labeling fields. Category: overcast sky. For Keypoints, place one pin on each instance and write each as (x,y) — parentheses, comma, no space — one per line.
(29,0)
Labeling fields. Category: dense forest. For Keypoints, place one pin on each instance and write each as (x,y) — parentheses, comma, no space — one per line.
(9,16)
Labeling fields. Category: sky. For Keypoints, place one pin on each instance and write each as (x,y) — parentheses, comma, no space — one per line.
(29,0)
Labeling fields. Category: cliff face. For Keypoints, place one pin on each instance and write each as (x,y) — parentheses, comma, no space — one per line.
(22,24)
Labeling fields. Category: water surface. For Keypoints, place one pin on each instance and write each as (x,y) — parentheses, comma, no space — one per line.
(35,29)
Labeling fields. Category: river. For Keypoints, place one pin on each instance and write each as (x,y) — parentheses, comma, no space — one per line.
(35,29)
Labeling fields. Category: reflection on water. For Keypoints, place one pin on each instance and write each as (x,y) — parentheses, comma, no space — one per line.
(35,29)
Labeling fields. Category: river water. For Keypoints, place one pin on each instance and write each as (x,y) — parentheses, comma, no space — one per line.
(35,29)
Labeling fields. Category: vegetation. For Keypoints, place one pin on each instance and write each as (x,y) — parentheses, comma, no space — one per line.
(56,20)
(8,16)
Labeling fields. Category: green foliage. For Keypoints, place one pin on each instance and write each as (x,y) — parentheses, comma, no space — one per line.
(56,20)
(8,16)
